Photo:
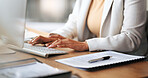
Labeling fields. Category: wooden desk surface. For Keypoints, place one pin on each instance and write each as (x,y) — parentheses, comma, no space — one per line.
(134,70)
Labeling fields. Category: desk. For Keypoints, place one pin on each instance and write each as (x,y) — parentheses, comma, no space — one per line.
(135,70)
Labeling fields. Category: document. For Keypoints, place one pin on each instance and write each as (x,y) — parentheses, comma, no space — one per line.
(29,70)
(83,60)
(33,70)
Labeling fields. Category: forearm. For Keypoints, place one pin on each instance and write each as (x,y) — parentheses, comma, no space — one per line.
(121,42)
(131,33)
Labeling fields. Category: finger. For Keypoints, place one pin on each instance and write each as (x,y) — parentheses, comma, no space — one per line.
(46,39)
(63,41)
(35,40)
(30,42)
(34,43)
(39,40)
(53,39)
(48,44)
(55,43)
(67,42)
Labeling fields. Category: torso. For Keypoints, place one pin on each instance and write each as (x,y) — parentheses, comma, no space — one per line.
(95,16)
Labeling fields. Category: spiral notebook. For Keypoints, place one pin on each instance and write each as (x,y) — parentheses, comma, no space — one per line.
(82,61)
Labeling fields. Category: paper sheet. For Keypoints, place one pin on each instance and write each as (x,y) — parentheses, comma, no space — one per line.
(82,61)
(28,71)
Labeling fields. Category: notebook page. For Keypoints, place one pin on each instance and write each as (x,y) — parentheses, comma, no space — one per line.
(82,61)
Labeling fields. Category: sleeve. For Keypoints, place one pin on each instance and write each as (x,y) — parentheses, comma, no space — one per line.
(131,33)
(70,28)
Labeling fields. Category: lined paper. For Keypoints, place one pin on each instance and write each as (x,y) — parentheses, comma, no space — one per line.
(82,61)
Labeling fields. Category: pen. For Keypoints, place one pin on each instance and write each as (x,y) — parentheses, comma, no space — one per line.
(99,59)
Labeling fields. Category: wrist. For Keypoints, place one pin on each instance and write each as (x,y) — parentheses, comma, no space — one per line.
(86,45)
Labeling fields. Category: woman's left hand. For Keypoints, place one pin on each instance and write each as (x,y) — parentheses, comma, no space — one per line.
(69,43)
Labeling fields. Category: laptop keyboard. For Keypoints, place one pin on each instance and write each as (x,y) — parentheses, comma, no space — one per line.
(43,49)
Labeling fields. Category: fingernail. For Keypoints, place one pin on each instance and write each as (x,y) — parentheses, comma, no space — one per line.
(46,45)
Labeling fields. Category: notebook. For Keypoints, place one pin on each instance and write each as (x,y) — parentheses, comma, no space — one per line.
(82,61)
(31,68)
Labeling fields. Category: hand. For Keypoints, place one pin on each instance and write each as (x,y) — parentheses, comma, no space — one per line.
(54,36)
(69,43)
(45,40)
(41,40)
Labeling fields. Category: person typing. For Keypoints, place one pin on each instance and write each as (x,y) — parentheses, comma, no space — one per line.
(117,25)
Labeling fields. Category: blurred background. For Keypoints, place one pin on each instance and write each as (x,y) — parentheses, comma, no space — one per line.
(147,5)
(48,15)
(49,10)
